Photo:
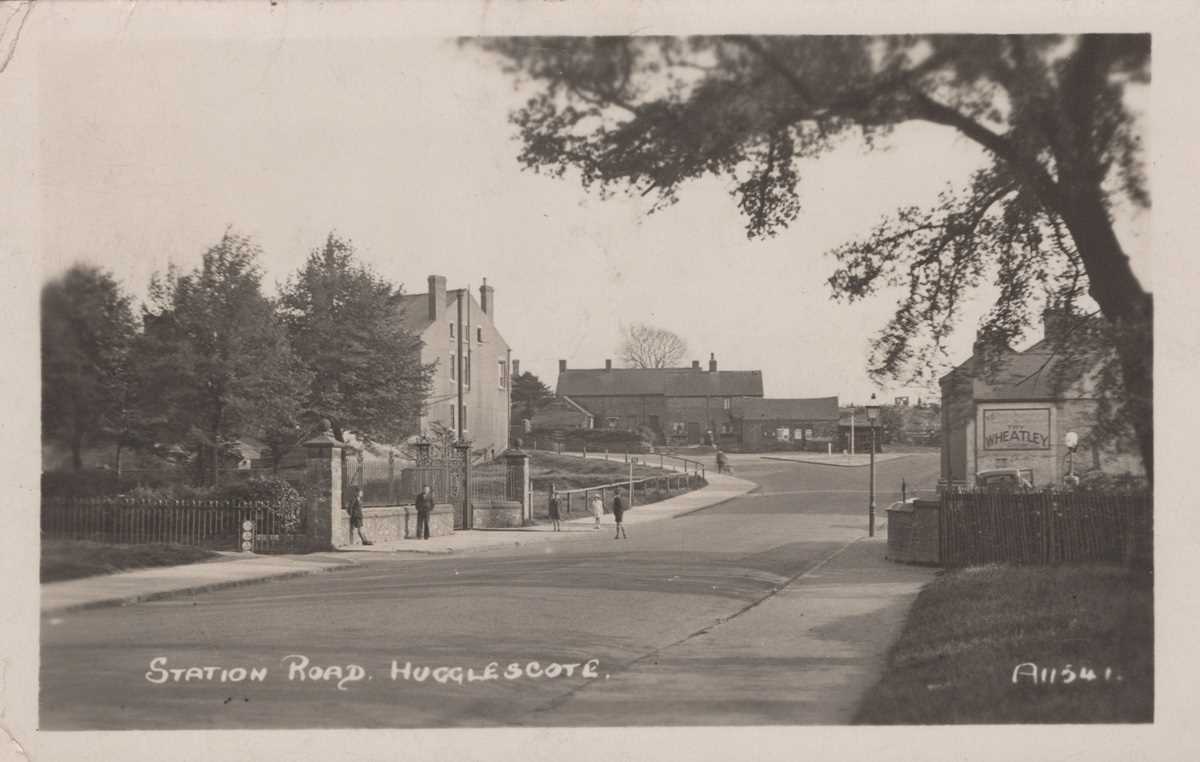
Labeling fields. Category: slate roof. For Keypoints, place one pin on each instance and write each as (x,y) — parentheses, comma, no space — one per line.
(672,382)
(415,311)
(798,409)
(1025,375)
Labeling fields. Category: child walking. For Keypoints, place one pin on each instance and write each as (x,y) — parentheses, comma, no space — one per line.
(618,509)
(554,516)
(356,517)
(597,510)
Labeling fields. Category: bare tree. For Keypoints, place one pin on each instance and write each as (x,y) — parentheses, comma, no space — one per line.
(646,346)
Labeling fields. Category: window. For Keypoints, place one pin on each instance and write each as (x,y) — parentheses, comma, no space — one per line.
(464,417)
(612,422)
(726,428)
(467,369)
(453,367)
(678,428)
(502,374)
(479,335)
(808,434)
(453,422)
(727,403)
(452,330)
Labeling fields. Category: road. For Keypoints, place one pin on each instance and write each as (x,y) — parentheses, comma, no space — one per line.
(679,624)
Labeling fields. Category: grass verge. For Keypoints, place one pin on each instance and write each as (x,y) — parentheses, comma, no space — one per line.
(970,630)
(73,559)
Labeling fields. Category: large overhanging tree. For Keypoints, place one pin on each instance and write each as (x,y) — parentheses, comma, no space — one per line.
(649,114)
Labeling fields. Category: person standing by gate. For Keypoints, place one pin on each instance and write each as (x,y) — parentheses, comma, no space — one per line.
(618,508)
(424,508)
(356,516)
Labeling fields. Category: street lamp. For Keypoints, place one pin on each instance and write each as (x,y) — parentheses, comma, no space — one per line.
(1071,440)
(872,418)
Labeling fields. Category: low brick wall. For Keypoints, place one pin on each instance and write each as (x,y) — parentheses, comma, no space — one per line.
(498,514)
(399,522)
(913,532)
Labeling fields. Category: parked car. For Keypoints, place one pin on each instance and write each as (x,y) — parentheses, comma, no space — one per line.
(1004,480)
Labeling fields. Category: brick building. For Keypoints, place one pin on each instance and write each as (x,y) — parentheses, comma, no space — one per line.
(1008,414)
(681,405)
(453,324)
(809,423)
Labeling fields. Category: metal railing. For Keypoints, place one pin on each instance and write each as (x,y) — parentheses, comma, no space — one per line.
(215,524)
(578,500)
(660,460)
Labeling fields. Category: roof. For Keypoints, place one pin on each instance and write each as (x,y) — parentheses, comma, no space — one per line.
(799,409)
(577,406)
(415,312)
(1025,375)
(671,382)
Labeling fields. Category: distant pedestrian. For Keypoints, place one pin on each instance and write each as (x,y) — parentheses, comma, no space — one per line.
(722,463)
(554,516)
(618,509)
(356,516)
(597,509)
(424,508)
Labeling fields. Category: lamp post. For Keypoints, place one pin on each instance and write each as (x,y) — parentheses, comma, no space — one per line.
(1071,440)
(872,417)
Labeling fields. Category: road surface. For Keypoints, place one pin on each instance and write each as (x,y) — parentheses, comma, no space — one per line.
(679,624)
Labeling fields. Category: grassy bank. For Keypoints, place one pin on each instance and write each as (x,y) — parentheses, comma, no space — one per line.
(68,559)
(572,472)
(969,631)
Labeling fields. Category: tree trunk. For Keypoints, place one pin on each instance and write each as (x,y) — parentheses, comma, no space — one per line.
(1124,303)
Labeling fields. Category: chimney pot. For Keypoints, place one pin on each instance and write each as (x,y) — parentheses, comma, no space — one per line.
(712,362)
(695,364)
(516,368)
(608,364)
(562,366)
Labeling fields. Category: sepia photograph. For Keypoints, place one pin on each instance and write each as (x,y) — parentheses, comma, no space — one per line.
(583,377)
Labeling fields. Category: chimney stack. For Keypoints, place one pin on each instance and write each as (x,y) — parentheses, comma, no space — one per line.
(562,366)
(712,362)
(487,299)
(516,368)
(608,364)
(695,365)
(437,297)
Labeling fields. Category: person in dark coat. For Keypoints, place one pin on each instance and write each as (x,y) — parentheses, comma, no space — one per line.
(618,511)
(554,512)
(424,508)
(356,517)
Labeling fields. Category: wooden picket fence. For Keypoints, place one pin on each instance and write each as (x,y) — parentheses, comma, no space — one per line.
(214,524)
(979,527)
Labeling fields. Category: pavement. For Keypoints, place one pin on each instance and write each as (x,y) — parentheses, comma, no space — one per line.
(126,588)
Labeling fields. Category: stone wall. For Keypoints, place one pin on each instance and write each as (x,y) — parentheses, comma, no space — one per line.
(498,514)
(399,522)
(912,529)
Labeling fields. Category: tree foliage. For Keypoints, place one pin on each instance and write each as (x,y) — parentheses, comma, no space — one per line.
(215,357)
(346,324)
(87,331)
(646,115)
(647,346)
(529,394)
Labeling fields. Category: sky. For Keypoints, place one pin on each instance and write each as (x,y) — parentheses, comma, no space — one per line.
(150,145)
